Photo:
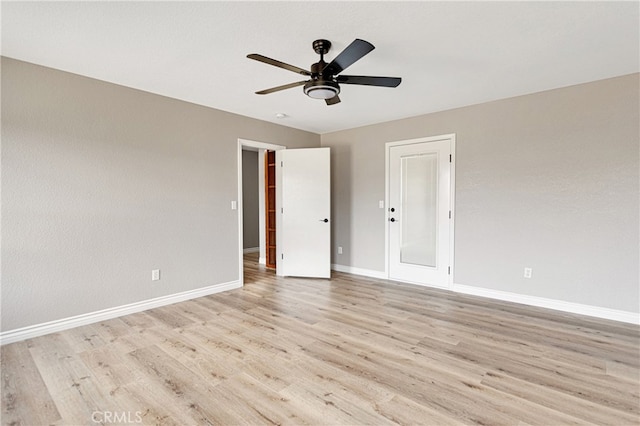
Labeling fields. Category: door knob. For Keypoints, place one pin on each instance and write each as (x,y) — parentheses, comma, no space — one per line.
(392,219)
(324,220)
(392,210)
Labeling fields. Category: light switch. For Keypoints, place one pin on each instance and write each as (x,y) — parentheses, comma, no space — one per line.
(381,204)
(234,205)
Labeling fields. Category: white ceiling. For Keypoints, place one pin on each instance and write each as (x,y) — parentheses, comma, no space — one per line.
(449,54)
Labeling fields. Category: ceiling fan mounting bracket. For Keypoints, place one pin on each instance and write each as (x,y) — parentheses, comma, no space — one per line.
(322,46)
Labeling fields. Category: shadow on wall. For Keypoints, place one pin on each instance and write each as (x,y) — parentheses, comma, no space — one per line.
(250,200)
(341,189)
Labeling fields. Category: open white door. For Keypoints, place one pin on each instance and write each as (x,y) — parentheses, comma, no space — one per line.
(303,207)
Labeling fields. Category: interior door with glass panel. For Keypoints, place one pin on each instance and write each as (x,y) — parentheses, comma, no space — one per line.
(418,212)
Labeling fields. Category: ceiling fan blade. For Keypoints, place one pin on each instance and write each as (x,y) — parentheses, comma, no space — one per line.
(278,88)
(278,64)
(369,81)
(333,101)
(356,50)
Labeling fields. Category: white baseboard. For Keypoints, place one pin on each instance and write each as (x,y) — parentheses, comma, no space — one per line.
(262,260)
(29,332)
(24,333)
(251,250)
(558,305)
(359,271)
(541,302)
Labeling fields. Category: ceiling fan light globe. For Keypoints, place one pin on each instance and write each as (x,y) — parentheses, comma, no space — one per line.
(321,93)
(321,89)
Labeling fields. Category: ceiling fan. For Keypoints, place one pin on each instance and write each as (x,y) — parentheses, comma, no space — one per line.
(325,79)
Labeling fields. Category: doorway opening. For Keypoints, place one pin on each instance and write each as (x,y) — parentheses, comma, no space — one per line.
(253,208)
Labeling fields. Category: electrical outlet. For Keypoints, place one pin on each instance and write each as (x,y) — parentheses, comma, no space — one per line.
(528,272)
(339,250)
(155,275)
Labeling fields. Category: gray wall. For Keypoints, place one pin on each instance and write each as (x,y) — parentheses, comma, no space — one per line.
(548,181)
(250,207)
(102,183)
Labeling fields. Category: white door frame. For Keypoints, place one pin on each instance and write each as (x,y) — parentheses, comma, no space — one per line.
(257,145)
(452,140)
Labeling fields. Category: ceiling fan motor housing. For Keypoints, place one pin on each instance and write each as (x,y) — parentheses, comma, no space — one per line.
(321,87)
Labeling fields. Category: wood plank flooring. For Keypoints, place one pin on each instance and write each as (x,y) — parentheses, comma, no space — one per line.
(345,351)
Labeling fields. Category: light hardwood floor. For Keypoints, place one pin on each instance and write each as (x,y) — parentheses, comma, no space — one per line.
(350,351)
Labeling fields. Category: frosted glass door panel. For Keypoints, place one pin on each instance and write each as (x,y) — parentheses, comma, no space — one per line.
(419,221)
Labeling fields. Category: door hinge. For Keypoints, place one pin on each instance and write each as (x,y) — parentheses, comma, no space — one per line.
(281,209)
(282,256)
(449,270)
(449,157)
(282,164)
(449,214)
